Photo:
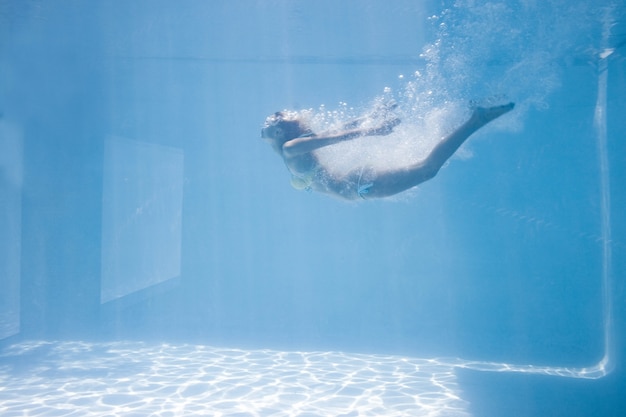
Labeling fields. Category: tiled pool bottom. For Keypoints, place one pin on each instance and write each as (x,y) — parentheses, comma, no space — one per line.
(138,379)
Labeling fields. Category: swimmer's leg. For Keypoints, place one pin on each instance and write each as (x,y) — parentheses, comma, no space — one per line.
(449,145)
(391,182)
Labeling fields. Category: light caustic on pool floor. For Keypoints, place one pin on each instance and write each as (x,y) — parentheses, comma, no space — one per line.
(137,379)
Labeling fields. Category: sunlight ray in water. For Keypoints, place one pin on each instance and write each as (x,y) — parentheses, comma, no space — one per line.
(134,378)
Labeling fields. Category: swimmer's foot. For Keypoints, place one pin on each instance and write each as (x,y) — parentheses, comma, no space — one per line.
(484,115)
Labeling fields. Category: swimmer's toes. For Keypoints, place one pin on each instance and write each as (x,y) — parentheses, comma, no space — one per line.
(487,114)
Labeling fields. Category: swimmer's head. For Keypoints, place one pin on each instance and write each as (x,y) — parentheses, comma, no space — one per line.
(282,127)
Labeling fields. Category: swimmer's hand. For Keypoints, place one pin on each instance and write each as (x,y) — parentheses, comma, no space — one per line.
(383,110)
(385,129)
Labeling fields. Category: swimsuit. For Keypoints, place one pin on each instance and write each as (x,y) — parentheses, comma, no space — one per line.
(363,189)
(316,174)
(303,181)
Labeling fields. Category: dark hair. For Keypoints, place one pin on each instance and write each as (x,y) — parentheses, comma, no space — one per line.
(290,123)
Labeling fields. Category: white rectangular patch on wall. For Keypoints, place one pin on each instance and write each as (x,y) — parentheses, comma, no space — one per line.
(141,216)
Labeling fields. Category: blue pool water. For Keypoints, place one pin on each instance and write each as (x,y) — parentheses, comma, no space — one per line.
(154,259)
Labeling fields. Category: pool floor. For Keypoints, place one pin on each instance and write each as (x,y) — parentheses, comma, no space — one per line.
(140,379)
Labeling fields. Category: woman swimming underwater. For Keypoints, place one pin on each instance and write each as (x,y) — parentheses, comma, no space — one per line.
(296,143)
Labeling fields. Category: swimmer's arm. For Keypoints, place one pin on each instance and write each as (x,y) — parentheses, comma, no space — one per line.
(303,145)
(308,144)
